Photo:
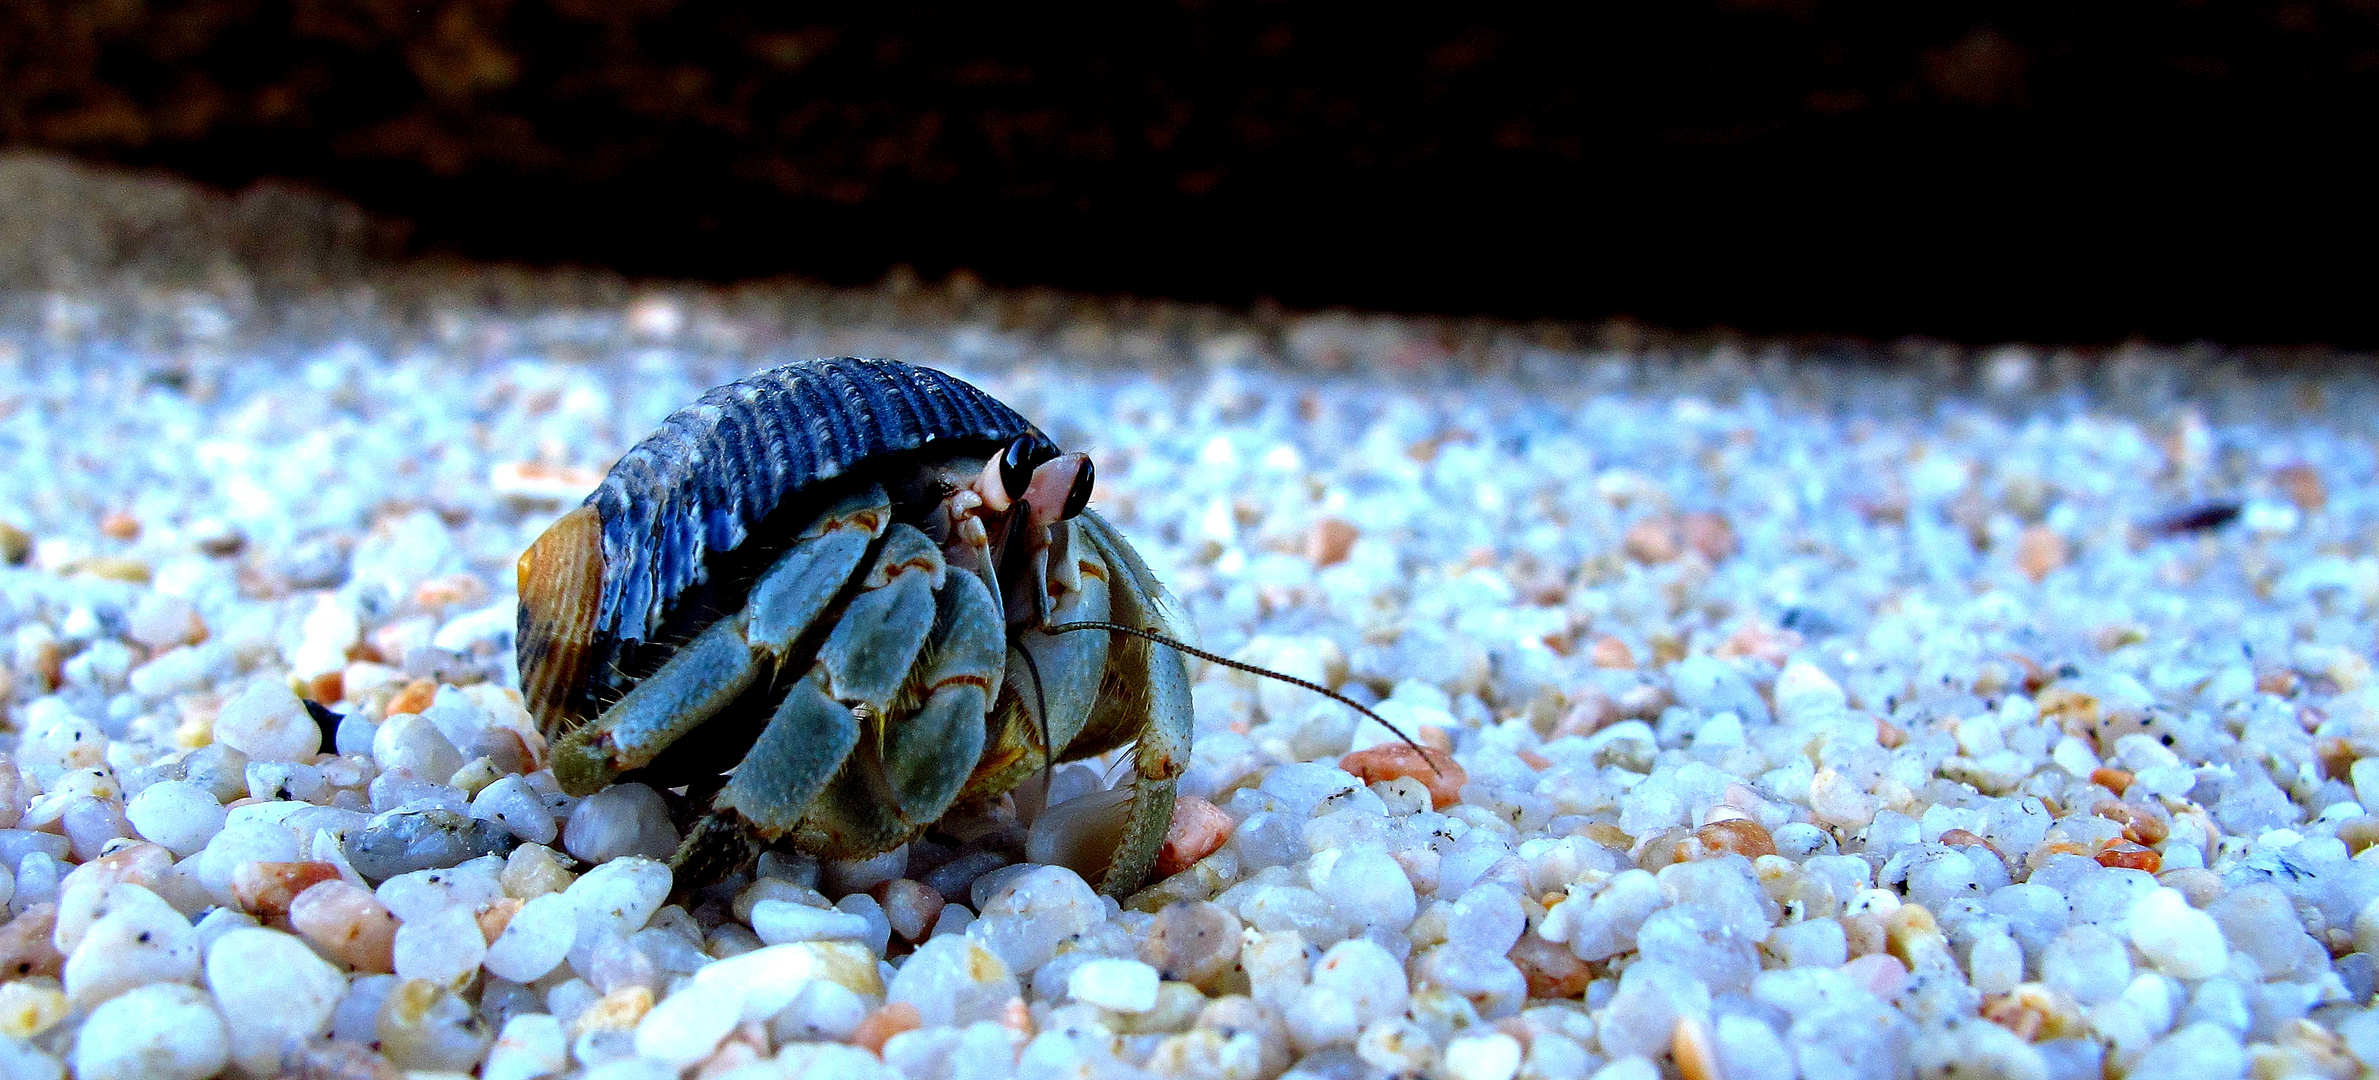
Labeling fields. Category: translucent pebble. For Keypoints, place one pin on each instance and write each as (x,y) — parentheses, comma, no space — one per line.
(2198,1052)
(1631,1067)
(1026,914)
(620,821)
(164,1032)
(268,723)
(781,921)
(841,877)
(1969,1047)
(1122,985)
(1806,694)
(1368,887)
(530,1046)
(91,825)
(1368,976)
(879,926)
(1815,943)
(178,814)
(1603,924)
(685,1026)
(1750,1050)
(2259,920)
(274,993)
(422,1025)
(219,768)
(444,947)
(1487,918)
(1652,997)
(37,879)
(1710,686)
(536,940)
(512,803)
(1493,985)
(953,980)
(1995,963)
(2088,963)
(470,885)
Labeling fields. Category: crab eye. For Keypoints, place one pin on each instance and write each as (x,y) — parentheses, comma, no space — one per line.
(1078,496)
(1017,463)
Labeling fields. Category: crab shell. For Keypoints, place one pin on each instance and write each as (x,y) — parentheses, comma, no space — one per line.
(692,513)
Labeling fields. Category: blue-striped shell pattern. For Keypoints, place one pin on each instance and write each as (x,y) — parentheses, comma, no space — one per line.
(718,466)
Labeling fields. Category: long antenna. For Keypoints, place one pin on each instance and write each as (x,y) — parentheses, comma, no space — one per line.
(1237,665)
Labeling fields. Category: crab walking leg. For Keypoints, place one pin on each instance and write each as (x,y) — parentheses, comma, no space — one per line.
(724,660)
(928,757)
(1147,695)
(862,666)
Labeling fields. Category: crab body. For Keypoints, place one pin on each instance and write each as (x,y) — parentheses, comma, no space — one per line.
(816,598)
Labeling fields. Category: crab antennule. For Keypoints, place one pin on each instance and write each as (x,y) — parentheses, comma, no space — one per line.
(561,588)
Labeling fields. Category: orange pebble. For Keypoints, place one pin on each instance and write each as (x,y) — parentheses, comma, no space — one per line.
(1610,652)
(415,697)
(1741,836)
(2115,780)
(1198,830)
(266,889)
(498,916)
(1963,838)
(2128,856)
(1432,766)
(118,525)
(328,688)
(880,1026)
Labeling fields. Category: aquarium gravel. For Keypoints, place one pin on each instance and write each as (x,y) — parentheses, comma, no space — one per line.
(1774,715)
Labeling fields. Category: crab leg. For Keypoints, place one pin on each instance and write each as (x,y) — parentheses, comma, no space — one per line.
(1146,699)
(724,660)
(862,666)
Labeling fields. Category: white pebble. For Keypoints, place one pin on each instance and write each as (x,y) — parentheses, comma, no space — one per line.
(531,1046)
(178,814)
(781,921)
(410,742)
(537,938)
(1485,1057)
(275,993)
(444,948)
(617,822)
(2200,1051)
(954,980)
(1122,985)
(135,944)
(618,897)
(168,1032)
(687,1025)
(2178,939)
(512,803)
(268,723)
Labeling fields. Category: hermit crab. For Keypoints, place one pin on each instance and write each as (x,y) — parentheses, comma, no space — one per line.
(833,600)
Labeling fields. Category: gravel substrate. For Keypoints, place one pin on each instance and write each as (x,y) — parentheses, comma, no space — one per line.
(1789,719)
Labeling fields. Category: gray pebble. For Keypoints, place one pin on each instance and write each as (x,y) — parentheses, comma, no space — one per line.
(401,843)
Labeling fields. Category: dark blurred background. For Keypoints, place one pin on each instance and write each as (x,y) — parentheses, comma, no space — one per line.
(2074,172)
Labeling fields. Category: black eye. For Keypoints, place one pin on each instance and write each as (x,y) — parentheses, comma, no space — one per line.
(1078,496)
(1016,466)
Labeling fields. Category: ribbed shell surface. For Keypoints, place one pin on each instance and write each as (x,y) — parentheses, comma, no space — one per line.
(721,465)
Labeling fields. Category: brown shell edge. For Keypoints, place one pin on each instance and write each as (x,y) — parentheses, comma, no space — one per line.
(561,588)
